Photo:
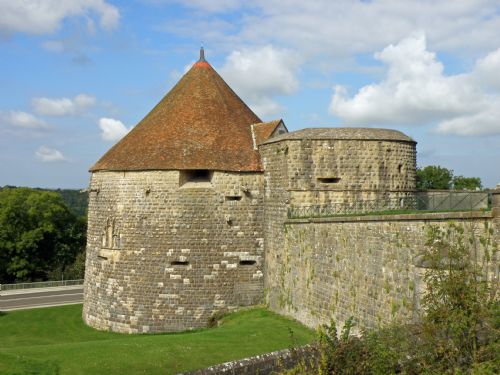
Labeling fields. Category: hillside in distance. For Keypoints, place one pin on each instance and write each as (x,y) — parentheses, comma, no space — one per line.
(75,199)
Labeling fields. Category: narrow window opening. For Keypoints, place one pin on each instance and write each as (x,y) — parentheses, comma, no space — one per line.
(179,263)
(400,168)
(247,262)
(102,257)
(329,180)
(233,197)
(195,177)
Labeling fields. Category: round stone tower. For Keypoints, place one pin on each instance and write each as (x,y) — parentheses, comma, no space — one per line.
(175,213)
(344,167)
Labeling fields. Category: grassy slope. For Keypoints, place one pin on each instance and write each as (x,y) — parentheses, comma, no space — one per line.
(51,338)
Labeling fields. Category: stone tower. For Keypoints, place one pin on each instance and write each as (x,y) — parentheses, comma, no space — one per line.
(180,209)
(325,169)
(175,213)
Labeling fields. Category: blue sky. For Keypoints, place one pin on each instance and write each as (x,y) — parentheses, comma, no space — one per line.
(76,75)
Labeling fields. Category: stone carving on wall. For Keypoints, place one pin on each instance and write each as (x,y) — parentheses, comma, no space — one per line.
(111,238)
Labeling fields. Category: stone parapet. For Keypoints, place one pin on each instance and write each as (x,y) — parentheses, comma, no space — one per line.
(397,217)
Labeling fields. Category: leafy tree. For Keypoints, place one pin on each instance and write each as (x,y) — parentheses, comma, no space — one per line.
(466,183)
(461,296)
(38,234)
(434,177)
(76,200)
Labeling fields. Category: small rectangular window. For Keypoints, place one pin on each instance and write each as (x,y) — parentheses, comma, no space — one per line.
(179,263)
(329,180)
(233,197)
(247,262)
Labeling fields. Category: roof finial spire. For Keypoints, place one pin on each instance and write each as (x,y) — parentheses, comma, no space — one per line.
(202,54)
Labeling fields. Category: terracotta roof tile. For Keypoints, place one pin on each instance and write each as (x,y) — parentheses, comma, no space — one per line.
(264,130)
(200,124)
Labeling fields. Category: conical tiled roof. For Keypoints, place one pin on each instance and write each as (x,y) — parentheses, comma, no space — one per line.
(200,124)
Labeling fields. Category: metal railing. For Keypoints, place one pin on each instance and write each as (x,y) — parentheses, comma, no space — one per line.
(453,200)
(420,201)
(40,284)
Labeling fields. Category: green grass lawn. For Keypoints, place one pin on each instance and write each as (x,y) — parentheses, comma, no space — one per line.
(55,340)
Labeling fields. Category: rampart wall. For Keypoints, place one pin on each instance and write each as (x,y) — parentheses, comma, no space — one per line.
(162,256)
(367,267)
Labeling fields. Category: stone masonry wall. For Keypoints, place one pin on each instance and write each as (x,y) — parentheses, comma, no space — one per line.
(265,364)
(162,258)
(342,171)
(367,267)
(295,171)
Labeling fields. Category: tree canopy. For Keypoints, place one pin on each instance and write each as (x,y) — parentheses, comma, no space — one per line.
(38,234)
(436,177)
(466,183)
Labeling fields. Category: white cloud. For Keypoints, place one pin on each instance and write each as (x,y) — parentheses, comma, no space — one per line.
(265,107)
(46,16)
(488,70)
(20,119)
(111,129)
(415,91)
(344,27)
(485,122)
(329,33)
(63,106)
(258,74)
(48,155)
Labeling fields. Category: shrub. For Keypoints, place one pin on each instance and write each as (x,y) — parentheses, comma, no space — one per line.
(459,301)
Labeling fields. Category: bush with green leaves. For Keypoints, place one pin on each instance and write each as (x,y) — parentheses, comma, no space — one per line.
(39,235)
(461,296)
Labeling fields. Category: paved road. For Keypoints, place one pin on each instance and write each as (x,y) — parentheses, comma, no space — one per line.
(42,297)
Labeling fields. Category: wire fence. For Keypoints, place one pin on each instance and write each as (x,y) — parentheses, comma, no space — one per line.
(420,201)
(40,284)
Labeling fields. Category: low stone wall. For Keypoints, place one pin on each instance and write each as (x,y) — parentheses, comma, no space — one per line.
(264,364)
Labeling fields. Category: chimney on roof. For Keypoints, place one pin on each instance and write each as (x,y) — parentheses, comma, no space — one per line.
(202,54)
